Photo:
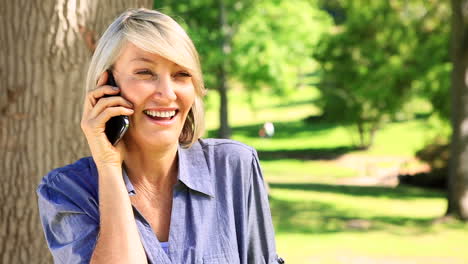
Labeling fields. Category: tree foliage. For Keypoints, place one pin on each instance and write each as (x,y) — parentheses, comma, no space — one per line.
(274,44)
(270,41)
(212,24)
(200,18)
(379,56)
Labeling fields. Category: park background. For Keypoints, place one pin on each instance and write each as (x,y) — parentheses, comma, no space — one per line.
(366,97)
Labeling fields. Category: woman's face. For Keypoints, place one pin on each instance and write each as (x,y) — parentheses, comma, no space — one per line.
(161,92)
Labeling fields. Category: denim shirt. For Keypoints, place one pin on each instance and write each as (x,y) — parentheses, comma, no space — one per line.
(220,210)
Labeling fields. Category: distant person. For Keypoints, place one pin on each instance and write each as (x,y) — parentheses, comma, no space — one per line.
(161,194)
(268,130)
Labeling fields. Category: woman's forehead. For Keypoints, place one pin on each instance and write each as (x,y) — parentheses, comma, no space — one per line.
(133,54)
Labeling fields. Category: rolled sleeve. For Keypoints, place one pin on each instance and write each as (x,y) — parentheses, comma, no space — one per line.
(260,234)
(70,232)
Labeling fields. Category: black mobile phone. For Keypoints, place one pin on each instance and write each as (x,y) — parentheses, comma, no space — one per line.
(117,125)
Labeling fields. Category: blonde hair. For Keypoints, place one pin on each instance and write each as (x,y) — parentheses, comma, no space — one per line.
(157,33)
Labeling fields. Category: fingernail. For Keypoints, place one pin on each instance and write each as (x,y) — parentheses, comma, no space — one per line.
(115,88)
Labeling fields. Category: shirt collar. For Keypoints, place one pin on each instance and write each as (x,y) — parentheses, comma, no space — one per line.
(128,183)
(193,171)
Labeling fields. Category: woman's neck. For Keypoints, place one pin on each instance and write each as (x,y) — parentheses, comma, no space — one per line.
(151,168)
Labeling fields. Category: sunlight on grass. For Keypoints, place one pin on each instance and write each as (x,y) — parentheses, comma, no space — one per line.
(296,135)
(288,110)
(290,170)
(403,138)
(328,224)
(287,113)
(376,247)
(369,201)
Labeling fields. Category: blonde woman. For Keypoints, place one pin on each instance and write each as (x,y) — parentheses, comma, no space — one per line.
(162,194)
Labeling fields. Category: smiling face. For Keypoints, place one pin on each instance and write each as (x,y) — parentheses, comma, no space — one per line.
(162,94)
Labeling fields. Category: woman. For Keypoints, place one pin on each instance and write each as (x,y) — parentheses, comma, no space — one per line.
(161,194)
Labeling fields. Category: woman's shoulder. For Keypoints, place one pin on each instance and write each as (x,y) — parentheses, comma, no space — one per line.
(229,156)
(75,177)
(227,151)
(227,147)
(67,192)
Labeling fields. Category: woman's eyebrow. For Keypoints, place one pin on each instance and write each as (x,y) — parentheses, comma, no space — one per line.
(144,59)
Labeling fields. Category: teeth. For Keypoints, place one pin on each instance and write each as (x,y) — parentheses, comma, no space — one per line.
(160,113)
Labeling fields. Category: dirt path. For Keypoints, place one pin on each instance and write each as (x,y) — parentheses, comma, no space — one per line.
(379,170)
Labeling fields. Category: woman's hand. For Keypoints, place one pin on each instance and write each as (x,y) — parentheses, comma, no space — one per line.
(97,111)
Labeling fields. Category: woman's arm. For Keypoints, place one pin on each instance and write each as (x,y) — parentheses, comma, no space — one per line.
(69,220)
(119,240)
(261,246)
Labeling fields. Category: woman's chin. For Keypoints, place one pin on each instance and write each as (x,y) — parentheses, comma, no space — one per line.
(156,139)
(161,143)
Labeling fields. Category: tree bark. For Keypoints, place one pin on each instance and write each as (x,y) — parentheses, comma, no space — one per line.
(224,128)
(361,132)
(458,175)
(45,47)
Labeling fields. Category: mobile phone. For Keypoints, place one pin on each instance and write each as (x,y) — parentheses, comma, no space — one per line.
(117,125)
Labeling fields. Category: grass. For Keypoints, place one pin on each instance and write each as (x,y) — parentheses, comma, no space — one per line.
(393,139)
(265,107)
(292,133)
(319,221)
(303,171)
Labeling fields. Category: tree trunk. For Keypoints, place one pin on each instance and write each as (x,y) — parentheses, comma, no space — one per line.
(458,176)
(363,134)
(224,128)
(45,47)
(372,131)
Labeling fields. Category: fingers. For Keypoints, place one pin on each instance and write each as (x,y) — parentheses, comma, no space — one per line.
(110,112)
(95,126)
(107,102)
(93,96)
(99,108)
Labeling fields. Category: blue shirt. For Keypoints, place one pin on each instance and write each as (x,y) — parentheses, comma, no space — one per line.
(220,210)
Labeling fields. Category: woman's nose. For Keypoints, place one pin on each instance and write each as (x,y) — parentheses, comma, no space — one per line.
(165,88)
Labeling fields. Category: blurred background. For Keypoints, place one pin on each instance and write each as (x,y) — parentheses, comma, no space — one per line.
(352,106)
(358,92)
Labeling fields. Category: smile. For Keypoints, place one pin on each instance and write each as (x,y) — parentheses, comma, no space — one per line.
(160,117)
(160,114)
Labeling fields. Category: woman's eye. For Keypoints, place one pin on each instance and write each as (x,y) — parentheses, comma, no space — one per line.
(144,72)
(183,74)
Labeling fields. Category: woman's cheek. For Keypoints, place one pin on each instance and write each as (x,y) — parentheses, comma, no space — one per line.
(134,91)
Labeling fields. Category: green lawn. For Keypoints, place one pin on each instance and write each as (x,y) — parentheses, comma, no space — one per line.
(320,221)
(304,171)
(292,133)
